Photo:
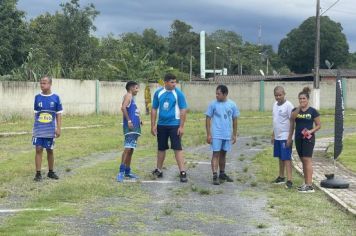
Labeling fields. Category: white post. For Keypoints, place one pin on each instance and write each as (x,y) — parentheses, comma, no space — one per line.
(202,54)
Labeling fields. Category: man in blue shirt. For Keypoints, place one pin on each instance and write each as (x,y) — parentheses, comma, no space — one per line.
(221,131)
(170,104)
(47,126)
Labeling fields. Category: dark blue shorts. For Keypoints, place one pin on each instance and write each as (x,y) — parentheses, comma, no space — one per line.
(47,143)
(281,150)
(165,132)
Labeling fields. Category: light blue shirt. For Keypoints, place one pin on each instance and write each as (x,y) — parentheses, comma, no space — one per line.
(168,103)
(222,114)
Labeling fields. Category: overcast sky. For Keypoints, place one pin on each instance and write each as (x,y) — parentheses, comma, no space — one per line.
(276,17)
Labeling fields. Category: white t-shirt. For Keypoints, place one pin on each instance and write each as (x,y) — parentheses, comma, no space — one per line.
(281,116)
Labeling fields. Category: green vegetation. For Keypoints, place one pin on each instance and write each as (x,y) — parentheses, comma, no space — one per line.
(87,161)
(300,210)
(347,157)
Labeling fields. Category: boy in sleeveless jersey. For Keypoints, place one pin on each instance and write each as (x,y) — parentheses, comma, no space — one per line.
(132,130)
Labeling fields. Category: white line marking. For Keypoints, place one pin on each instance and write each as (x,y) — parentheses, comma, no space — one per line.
(24,209)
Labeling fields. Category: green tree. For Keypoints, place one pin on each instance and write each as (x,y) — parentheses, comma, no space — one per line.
(182,43)
(13,33)
(297,49)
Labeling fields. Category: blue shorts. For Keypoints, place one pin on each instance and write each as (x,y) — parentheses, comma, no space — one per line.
(47,143)
(281,150)
(131,140)
(218,145)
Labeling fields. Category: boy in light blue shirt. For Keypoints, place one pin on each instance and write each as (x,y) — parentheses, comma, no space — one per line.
(221,131)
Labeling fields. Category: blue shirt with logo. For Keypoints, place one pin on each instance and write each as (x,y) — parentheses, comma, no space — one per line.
(169,103)
(46,108)
(222,114)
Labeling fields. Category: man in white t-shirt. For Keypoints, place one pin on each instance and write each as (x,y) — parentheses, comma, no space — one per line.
(282,110)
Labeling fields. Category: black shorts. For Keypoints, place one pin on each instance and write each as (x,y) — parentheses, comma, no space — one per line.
(163,133)
(305,147)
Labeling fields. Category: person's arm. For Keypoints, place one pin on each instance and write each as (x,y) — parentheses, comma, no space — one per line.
(317,125)
(291,126)
(272,137)
(153,121)
(182,116)
(207,127)
(125,103)
(59,124)
(234,130)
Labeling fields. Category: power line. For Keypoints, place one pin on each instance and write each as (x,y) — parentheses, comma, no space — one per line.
(330,7)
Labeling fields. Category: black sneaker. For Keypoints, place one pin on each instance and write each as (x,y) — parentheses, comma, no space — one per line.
(183,177)
(225,177)
(157,173)
(52,175)
(289,184)
(216,181)
(306,189)
(279,180)
(38,178)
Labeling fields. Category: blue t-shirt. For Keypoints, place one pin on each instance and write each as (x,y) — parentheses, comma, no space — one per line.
(134,115)
(222,114)
(169,103)
(46,108)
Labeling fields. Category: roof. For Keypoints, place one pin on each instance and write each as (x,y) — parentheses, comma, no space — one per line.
(346,73)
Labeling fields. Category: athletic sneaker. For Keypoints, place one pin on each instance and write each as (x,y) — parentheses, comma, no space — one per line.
(183,177)
(279,180)
(38,178)
(120,177)
(301,186)
(52,175)
(225,177)
(289,184)
(216,181)
(131,175)
(157,173)
(306,189)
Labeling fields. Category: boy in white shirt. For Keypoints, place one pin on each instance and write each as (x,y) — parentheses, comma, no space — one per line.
(282,110)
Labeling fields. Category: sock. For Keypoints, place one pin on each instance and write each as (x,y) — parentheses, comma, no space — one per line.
(50,171)
(38,172)
(182,172)
(127,170)
(222,172)
(122,168)
(215,175)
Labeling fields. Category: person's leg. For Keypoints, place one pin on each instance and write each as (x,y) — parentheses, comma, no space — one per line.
(162,143)
(50,159)
(222,161)
(281,168)
(288,166)
(215,162)
(179,159)
(308,170)
(38,158)
(161,155)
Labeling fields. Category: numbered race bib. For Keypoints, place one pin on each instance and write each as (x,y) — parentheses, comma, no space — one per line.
(45,118)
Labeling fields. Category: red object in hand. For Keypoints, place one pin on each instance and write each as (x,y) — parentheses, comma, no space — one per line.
(306,134)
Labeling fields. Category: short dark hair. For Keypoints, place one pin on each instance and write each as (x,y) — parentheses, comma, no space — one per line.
(47,77)
(223,89)
(169,77)
(130,84)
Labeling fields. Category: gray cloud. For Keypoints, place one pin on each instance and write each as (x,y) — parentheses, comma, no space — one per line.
(277,17)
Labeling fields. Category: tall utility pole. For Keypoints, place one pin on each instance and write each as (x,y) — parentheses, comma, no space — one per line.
(316,89)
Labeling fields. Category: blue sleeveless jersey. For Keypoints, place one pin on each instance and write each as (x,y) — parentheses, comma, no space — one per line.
(46,108)
(134,115)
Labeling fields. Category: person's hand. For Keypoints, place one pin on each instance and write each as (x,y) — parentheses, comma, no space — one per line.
(180,132)
(234,138)
(130,125)
(141,122)
(154,130)
(208,139)
(58,133)
(289,142)
(272,140)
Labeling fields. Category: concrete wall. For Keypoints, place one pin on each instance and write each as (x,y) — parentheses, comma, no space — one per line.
(79,97)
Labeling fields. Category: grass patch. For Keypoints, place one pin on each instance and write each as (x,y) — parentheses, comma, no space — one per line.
(310,213)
